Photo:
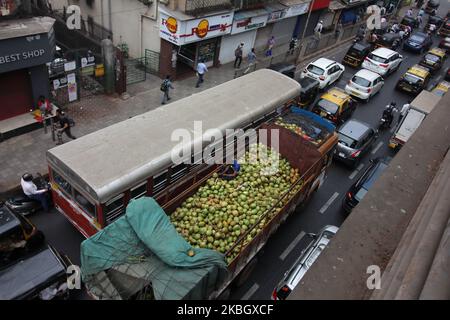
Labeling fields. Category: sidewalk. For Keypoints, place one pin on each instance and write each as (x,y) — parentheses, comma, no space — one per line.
(26,153)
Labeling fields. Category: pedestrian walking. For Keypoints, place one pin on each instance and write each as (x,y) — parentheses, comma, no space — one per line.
(166,85)
(409,13)
(238,55)
(318,29)
(201,70)
(65,123)
(270,45)
(251,59)
(404,111)
(421,12)
(292,45)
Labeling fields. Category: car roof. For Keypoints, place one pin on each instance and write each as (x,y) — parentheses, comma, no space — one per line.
(367,74)
(323,62)
(383,52)
(336,95)
(360,46)
(354,128)
(437,52)
(418,70)
(420,34)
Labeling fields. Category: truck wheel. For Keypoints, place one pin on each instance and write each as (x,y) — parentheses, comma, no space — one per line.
(245,274)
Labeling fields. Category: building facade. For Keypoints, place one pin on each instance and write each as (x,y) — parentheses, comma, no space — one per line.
(26,46)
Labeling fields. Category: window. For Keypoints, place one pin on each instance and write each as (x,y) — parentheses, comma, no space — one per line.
(114,205)
(62,183)
(87,207)
(139,191)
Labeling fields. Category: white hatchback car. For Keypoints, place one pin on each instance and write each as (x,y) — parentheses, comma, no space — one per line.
(324,70)
(364,84)
(382,61)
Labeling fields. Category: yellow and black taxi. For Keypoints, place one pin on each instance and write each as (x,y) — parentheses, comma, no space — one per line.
(335,105)
(442,88)
(434,59)
(357,53)
(414,80)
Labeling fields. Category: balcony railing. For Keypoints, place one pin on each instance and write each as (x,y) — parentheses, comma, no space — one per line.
(250,4)
(199,7)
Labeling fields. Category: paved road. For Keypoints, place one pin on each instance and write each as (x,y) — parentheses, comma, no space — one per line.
(323,209)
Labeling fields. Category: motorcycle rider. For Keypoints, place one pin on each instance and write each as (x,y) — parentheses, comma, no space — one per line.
(388,112)
(32,192)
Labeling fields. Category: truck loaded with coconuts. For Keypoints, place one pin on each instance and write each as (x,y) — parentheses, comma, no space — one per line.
(232,215)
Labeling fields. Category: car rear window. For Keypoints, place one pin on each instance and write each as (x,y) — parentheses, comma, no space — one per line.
(360,194)
(347,141)
(374,175)
(415,38)
(377,58)
(432,57)
(328,106)
(361,81)
(316,70)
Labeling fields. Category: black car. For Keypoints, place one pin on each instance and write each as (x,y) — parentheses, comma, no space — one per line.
(418,42)
(359,189)
(287,69)
(308,91)
(29,267)
(389,40)
(432,6)
(436,20)
(410,22)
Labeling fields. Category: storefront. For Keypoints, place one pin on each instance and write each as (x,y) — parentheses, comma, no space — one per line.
(25,48)
(353,12)
(185,40)
(245,26)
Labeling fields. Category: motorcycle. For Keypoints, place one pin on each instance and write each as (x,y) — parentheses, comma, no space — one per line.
(25,206)
(385,122)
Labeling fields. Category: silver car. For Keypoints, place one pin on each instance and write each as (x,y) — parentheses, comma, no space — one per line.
(301,266)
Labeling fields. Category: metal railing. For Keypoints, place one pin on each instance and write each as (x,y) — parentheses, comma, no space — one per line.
(250,4)
(199,7)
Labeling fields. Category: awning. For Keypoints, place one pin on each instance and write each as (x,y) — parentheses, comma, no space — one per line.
(291,3)
(336,5)
(274,7)
(241,15)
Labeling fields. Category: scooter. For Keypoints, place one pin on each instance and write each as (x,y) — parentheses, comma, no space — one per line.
(25,206)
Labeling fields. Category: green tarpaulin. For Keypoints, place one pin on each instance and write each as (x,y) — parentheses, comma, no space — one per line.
(143,248)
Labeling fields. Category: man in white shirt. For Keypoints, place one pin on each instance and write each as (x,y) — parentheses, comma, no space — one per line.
(201,70)
(32,192)
(404,111)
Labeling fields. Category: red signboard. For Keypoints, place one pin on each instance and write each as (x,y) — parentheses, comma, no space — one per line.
(320,4)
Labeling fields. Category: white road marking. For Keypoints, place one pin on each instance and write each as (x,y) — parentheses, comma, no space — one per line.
(377,147)
(292,245)
(357,170)
(329,202)
(250,292)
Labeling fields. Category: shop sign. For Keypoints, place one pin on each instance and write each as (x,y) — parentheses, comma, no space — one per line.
(60,83)
(87,61)
(182,32)
(297,10)
(249,24)
(70,66)
(72,87)
(277,15)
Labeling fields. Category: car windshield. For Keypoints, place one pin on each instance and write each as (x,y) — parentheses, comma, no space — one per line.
(316,70)
(361,81)
(416,38)
(412,78)
(432,57)
(347,141)
(376,58)
(328,106)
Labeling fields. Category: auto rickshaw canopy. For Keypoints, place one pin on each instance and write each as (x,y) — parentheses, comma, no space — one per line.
(418,71)
(409,21)
(337,96)
(438,52)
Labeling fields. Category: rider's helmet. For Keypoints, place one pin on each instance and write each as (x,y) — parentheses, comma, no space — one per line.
(27,177)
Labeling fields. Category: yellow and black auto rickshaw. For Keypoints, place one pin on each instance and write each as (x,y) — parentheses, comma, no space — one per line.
(389,40)
(357,53)
(308,91)
(414,80)
(434,59)
(411,22)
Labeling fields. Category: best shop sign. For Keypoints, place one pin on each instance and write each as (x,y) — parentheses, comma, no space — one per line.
(182,32)
(25,52)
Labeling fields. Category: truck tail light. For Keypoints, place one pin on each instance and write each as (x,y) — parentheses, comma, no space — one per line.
(355,154)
